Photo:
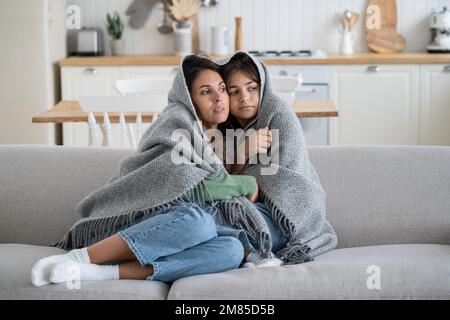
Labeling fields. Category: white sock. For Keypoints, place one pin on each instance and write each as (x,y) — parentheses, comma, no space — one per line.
(40,273)
(256,259)
(69,270)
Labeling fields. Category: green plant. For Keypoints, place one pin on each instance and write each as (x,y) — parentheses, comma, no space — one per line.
(114,26)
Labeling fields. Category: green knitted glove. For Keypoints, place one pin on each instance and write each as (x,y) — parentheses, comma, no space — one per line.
(225,186)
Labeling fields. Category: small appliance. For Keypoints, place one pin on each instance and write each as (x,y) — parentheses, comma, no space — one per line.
(89,42)
(440,31)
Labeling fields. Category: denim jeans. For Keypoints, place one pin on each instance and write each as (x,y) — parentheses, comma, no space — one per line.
(182,242)
(278,240)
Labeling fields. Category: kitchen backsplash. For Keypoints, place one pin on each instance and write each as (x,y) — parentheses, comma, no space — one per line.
(267,24)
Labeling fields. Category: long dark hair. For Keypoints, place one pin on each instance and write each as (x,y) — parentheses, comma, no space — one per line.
(195,64)
(239,62)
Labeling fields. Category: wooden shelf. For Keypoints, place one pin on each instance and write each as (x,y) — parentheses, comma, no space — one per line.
(332,58)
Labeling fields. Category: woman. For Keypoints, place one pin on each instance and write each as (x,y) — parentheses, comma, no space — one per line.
(171,241)
(291,196)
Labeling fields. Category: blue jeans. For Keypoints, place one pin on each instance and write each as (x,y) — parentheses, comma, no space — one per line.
(278,240)
(182,242)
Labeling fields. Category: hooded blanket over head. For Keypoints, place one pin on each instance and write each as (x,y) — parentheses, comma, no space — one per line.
(289,184)
(173,160)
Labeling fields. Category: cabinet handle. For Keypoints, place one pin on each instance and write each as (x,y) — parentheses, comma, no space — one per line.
(90,70)
(309,90)
(373,69)
(447,68)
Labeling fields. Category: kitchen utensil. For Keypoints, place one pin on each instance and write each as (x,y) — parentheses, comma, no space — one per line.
(139,10)
(238,39)
(195,34)
(387,11)
(353,20)
(165,27)
(385,40)
(220,41)
(346,18)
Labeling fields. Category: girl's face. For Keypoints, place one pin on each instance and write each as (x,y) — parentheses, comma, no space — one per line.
(244,97)
(210,97)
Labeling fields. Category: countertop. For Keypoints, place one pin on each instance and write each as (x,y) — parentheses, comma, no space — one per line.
(71,111)
(331,59)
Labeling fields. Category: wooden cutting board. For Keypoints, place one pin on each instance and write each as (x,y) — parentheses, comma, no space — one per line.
(386,40)
(388,13)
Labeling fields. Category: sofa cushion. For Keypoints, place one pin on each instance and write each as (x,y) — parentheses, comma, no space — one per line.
(382,195)
(404,272)
(15,268)
(41,186)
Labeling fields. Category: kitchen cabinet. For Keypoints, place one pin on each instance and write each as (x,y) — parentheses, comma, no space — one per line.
(378,104)
(435,105)
(99,81)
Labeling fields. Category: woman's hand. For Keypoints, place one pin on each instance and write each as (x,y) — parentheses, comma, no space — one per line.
(255,197)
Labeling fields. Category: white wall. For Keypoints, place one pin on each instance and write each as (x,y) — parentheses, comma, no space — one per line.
(269,24)
(33,42)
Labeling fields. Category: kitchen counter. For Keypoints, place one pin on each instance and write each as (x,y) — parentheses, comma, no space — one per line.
(71,111)
(332,58)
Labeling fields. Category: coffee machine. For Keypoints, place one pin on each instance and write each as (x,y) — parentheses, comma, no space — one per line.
(440,31)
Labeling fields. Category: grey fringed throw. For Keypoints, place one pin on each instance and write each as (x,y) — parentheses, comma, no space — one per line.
(293,195)
(150,182)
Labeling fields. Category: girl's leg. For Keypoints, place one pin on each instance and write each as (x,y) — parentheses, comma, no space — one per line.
(134,271)
(113,248)
(216,255)
(163,235)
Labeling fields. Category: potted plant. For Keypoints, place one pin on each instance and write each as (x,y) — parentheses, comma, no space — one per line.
(115,28)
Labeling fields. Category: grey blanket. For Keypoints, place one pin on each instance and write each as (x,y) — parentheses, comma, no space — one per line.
(150,182)
(289,184)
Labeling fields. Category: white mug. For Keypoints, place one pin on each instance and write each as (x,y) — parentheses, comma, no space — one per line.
(220,41)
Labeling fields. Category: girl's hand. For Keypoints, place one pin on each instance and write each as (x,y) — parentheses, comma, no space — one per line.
(258,143)
(255,197)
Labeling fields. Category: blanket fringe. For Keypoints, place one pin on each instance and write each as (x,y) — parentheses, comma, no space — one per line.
(93,229)
(295,251)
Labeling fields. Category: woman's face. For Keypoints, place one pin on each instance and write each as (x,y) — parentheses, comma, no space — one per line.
(210,97)
(244,96)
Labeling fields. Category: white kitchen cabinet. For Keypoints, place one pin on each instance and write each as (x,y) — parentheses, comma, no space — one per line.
(378,104)
(100,81)
(135,72)
(435,105)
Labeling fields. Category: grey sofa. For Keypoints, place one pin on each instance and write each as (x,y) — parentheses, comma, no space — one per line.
(390,207)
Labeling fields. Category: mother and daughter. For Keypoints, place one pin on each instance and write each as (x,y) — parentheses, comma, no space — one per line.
(158,219)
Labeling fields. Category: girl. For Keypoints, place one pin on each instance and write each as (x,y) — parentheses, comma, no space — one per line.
(291,199)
